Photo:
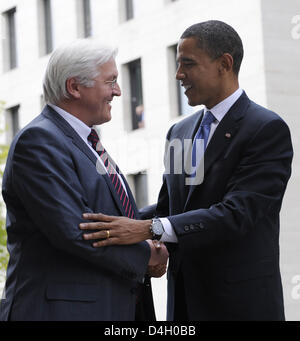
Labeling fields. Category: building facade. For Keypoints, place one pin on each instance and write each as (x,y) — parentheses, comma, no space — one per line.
(146,34)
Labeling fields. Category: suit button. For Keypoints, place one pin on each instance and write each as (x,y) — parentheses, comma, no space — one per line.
(201,225)
(193,227)
(186,228)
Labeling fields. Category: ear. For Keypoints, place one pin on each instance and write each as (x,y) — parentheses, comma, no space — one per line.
(226,63)
(72,87)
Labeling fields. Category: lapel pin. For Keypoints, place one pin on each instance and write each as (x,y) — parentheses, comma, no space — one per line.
(228,135)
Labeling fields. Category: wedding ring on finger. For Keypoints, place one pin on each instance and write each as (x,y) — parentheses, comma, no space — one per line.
(107,234)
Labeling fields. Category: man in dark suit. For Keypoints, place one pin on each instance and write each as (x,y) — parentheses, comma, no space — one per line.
(56,169)
(222,221)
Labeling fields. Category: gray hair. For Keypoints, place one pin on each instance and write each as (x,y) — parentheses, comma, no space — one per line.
(80,59)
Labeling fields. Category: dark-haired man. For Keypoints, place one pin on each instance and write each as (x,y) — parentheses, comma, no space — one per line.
(223,231)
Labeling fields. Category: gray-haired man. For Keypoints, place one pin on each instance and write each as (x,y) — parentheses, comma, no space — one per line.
(50,179)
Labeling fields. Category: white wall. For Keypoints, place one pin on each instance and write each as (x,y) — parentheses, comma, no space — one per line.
(282,56)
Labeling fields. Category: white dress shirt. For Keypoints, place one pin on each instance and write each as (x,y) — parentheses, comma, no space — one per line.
(219,111)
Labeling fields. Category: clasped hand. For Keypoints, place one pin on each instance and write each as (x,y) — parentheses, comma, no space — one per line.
(111,230)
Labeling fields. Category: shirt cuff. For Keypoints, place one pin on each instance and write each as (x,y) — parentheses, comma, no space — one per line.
(169,235)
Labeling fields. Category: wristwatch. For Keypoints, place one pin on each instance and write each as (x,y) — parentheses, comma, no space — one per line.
(156,229)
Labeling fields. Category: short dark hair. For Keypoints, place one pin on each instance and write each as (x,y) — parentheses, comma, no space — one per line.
(216,38)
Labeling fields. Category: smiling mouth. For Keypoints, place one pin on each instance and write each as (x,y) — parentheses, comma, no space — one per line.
(186,87)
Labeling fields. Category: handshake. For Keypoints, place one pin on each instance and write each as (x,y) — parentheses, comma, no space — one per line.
(157,266)
(110,230)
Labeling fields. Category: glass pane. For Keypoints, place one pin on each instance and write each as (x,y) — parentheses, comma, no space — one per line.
(48,26)
(87,18)
(136,88)
(129,9)
(141,189)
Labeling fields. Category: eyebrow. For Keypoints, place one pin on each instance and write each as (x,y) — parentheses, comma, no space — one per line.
(113,77)
(184,59)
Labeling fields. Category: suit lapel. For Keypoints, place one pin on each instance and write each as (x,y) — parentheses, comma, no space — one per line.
(222,137)
(63,125)
(188,132)
(66,128)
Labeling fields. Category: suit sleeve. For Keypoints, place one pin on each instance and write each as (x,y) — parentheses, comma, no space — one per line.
(254,191)
(147,212)
(45,180)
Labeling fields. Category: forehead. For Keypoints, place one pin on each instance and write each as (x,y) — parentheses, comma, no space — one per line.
(187,49)
(109,68)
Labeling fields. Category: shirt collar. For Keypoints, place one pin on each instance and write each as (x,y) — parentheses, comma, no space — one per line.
(222,108)
(81,128)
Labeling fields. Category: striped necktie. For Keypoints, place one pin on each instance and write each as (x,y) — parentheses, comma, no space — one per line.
(113,173)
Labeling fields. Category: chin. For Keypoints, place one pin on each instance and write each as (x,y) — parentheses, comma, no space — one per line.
(104,119)
(195,101)
(192,103)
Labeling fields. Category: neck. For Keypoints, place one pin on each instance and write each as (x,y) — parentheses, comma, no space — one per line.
(226,91)
(74,109)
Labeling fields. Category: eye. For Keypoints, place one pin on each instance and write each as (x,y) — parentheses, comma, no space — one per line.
(112,83)
(188,64)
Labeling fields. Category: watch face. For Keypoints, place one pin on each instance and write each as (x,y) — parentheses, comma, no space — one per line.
(157,228)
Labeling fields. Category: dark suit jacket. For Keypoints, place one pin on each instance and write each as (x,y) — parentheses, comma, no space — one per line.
(53,274)
(226,264)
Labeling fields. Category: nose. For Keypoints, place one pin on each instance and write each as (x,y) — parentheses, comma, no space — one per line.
(117,90)
(179,74)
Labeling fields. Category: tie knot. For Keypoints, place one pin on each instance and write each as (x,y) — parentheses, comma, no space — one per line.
(93,138)
(208,119)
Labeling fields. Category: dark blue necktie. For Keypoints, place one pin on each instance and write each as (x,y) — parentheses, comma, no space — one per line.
(202,134)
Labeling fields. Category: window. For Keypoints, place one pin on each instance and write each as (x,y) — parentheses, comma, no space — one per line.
(12,123)
(84,18)
(45,27)
(139,186)
(129,9)
(136,90)
(179,101)
(42,102)
(133,95)
(9,41)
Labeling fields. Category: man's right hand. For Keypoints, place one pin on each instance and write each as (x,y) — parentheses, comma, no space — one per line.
(159,257)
